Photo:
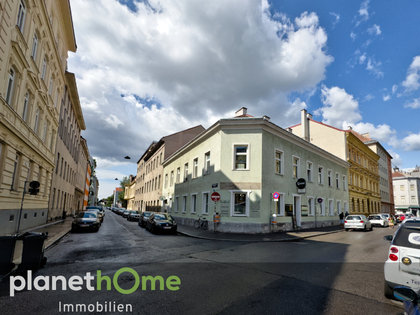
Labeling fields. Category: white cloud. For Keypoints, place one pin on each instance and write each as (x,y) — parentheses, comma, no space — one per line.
(363,12)
(383,133)
(411,82)
(339,107)
(336,17)
(411,142)
(394,88)
(374,67)
(396,158)
(386,98)
(414,104)
(197,61)
(353,36)
(362,58)
(368,97)
(374,30)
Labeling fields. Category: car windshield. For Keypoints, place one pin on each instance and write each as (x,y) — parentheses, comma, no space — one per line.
(146,214)
(160,217)
(86,215)
(353,217)
(374,217)
(408,235)
(132,212)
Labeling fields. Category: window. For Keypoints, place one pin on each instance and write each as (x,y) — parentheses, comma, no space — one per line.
(50,86)
(320,175)
(34,46)
(280,205)
(311,206)
(186,172)
(10,86)
(329,177)
(412,187)
(331,207)
(338,206)
(193,203)
(176,204)
(402,187)
(16,172)
(44,68)
(239,203)
(309,171)
(166,180)
(44,132)
(184,204)
(206,163)
(278,160)
(36,123)
(172,178)
(344,182)
(241,157)
(25,106)
(195,168)
(178,175)
(413,199)
(21,16)
(322,205)
(296,171)
(337,181)
(206,196)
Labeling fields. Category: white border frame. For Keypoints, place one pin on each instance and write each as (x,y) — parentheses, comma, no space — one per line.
(281,161)
(248,160)
(247,200)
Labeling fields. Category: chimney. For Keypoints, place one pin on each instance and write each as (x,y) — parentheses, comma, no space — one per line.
(304,117)
(241,112)
(265,117)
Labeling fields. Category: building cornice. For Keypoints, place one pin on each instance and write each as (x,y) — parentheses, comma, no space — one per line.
(74,96)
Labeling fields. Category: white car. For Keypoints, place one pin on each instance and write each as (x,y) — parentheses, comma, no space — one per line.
(357,222)
(377,219)
(402,268)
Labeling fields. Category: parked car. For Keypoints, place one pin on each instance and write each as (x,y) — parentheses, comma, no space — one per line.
(86,220)
(120,211)
(357,222)
(100,208)
(378,220)
(98,213)
(144,216)
(402,268)
(161,222)
(133,215)
(125,213)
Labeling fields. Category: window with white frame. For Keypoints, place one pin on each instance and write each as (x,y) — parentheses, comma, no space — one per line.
(184,203)
(322,205)
(195,168)
(166,180)
(279,204)
(338,206)
(172,178)
(176,206)
(10,86)
(345,182)
(311,206)
(206,197)
(206,163)
(193,203)
(296,170)
(239,203)
(279,162)
(240,157)
(331,207)
(16,171)
(320,175)
(186,172)
(178,175)
(337,181)
(329,178)
(309,167)
(36,122)
(21,16)
(25,106)
(34,46)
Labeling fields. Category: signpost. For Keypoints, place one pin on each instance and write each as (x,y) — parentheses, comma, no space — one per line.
(276,196)
(215,196)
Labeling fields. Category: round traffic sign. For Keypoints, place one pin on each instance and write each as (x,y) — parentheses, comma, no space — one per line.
(215,196)
(301,183)
(276,195)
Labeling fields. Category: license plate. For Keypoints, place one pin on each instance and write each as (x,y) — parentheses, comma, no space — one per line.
(84,225)
(166,227)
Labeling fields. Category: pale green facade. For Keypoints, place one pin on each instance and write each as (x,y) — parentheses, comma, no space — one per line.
(243,171)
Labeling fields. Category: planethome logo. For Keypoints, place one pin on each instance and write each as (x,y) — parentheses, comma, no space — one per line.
(77,283)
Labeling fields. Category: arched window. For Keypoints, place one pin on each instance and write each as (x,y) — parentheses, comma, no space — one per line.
(21,16)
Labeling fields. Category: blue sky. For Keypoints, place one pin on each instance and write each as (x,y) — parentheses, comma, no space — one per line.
(145,70)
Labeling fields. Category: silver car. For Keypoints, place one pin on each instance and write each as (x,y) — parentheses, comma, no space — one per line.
(357,222)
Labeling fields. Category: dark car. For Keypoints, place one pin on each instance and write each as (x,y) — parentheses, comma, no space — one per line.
(86,220)
(125,213)
(133,215)
(161,223)
(97,212)
(144,216)
(100,208)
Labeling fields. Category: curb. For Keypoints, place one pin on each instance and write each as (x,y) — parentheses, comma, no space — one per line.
(56,241)
(295,239)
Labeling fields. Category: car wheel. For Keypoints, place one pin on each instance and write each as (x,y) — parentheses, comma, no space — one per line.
(347,230)
(371,228)
(388,292)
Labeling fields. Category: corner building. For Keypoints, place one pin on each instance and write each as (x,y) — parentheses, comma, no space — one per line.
(246,160)
(35,37)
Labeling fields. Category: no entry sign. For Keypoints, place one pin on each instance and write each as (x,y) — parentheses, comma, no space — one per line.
(215,196)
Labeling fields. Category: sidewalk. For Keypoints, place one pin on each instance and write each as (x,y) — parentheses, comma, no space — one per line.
(291,236)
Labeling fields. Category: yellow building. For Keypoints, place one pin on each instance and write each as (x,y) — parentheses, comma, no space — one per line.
(129,193)
(35,39)
(363,177)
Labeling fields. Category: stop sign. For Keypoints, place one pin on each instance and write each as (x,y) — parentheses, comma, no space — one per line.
(215,196)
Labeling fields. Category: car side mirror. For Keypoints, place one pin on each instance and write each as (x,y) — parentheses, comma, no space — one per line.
(388,238)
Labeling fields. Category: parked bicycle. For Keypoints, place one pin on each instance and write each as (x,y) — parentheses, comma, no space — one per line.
(201,224)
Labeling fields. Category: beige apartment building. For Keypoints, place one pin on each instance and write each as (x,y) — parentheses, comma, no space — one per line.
(35,38)
(65,195)
(149,178)
(129,193)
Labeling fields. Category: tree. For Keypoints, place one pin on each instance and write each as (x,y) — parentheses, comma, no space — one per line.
(124,182)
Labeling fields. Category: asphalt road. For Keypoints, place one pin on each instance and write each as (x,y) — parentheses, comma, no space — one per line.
(332,274)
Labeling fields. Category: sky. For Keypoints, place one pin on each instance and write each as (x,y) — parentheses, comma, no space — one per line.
(146,69)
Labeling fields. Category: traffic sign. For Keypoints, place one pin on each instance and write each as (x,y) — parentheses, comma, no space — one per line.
(215,196)
(276,195)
